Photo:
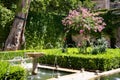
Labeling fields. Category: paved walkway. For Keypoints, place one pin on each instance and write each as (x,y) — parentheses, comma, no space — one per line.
(76,76)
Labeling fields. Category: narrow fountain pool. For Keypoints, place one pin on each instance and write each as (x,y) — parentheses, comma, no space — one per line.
(111,77)
(44,74)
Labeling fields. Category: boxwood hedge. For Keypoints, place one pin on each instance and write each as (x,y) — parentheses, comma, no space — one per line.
(103,61)
(72,59)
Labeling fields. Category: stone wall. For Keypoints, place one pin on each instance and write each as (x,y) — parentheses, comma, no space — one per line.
(102,4)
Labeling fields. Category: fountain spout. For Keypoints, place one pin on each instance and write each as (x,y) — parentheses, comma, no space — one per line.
(35,56)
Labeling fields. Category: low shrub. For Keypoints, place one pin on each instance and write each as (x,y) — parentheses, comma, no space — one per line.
(100,46)
(9,72)
(105,61)
(71,59)
(6,55)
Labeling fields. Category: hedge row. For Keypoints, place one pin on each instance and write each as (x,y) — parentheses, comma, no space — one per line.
(72,59)
(8,72)
(105,61)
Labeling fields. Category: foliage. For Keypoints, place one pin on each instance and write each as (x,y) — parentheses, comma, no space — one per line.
(112,20)
(44,32)
(106,61)
(99,46)
(11,55)
(6,17)
(9,4)
(84,21)
(9,72)
(45,22)
(88,4)
(47,15)
(56,6)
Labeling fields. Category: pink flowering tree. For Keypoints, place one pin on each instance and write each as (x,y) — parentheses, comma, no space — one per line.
(84,22)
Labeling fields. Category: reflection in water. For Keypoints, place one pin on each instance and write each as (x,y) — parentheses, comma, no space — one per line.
(112,77)
(44,74)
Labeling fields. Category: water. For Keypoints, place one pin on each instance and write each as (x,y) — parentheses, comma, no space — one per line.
(44,74)
(112,77)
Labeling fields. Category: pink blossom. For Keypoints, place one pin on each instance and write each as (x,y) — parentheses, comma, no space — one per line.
(84,10)
(103,24)
(95,30)
(81,31)
(69,22)
(100,28)
(99,21)
(84,20)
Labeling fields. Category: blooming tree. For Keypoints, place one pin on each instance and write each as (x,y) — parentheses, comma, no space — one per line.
(84,21)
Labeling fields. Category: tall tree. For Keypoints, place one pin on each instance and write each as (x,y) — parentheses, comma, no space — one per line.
(16,36)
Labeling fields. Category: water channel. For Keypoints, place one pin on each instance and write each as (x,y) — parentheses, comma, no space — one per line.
(44,74)
(111,77)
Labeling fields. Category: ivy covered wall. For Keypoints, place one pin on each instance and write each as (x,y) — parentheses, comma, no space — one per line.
(44,25)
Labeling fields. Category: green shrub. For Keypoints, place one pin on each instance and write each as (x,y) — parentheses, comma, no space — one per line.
(71,59)
(106,61)
(6,17)
(11,54)
(99,46)
(9,72)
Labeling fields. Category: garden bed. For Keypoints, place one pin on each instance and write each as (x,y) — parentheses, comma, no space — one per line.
(72,59)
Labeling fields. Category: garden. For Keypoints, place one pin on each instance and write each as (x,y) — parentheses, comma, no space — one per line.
(71,34)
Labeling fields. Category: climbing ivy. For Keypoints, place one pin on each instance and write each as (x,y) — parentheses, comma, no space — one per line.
(44,20)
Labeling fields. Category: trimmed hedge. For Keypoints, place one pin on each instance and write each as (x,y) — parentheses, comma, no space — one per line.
(9,72)
(71,59)
(105,61)
(11,54)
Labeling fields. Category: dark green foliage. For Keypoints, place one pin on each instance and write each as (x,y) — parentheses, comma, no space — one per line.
(44,26)
(77,62)
(112,20)
(9,72)
(9,4)
(6,17)
(43,30)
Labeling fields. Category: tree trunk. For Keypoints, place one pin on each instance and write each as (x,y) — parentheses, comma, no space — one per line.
(16,36)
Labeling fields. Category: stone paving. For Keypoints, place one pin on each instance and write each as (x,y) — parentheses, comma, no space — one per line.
(76,76)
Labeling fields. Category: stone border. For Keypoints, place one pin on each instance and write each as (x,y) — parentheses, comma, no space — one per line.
(86,75)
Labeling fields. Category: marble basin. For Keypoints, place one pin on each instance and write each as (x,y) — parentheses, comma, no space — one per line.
(35,56)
